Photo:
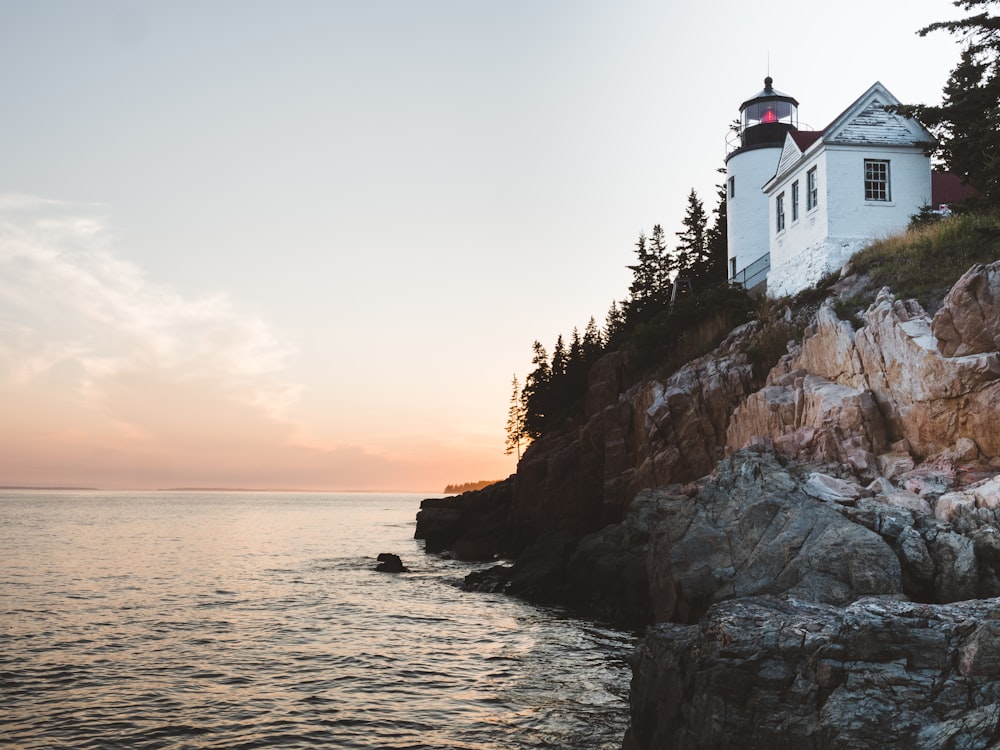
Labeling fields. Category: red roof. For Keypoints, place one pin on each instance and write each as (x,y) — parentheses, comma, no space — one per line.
(805,138)
(947,187)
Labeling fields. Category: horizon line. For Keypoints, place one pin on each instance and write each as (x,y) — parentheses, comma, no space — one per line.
(210,489)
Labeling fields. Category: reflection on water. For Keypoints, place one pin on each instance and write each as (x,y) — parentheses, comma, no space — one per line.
(154,620)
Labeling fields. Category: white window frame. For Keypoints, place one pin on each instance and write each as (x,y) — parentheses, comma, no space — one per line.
(878,186)
(795,201)
(812,189)
(779,212)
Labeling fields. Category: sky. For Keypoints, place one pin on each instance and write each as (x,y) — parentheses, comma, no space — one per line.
(308,244)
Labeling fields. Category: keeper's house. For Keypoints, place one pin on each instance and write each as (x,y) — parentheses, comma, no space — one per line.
(801,202)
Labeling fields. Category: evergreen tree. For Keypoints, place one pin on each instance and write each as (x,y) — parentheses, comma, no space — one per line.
(691,254)
(650,288)
(614,323)
(641,288)
(575,349)
(663,265)
(967,122)
(536,392)
(559,360)
(515,421)
(593,343)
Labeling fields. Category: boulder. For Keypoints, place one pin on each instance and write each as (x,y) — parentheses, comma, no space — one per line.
(753,528)
(390,563)
(968,321)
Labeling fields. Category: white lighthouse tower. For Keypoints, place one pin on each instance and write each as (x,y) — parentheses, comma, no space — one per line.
(765,119)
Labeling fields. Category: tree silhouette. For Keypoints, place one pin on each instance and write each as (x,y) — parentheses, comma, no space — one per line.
(535,394)
(692,255)
(515,421)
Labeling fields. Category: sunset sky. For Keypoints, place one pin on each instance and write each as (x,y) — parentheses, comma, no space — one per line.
(307,244)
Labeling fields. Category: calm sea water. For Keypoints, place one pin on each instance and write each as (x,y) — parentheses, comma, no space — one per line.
(228,620)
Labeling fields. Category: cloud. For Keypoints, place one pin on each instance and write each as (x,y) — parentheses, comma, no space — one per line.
(68,301)
(110,379)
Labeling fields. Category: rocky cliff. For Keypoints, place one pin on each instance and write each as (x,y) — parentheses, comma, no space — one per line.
(820,551)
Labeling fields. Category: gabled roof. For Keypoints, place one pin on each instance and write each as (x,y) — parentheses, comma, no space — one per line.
(866,122)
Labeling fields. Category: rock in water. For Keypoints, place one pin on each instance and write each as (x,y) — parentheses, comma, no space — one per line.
(390,563)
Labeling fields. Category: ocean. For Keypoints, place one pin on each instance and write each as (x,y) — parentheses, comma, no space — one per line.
(256,620)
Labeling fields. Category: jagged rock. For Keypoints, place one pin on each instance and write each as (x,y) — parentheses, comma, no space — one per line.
(752,529)
(843,395)
(928,399)
(968,321)
(770,673)
(811,418)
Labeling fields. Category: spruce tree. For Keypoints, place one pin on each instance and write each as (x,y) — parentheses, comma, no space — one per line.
(515,421)
(559,360)
(536,392)
(593,342)
(650,288)
(967,122)
(692,257)
(614,323)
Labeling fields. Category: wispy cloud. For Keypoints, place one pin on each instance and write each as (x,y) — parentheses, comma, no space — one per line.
(67,299)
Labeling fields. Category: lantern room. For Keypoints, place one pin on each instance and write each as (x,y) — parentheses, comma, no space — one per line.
(767,117)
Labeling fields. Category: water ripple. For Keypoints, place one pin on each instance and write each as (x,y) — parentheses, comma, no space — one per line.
(226,621)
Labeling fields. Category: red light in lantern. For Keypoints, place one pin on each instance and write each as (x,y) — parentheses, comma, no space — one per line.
(769,116)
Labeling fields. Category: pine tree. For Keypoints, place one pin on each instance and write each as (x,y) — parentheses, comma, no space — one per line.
(643,280)
(664,267)
(536,392)
(967,122)
(593,342)
(559,357)
(650,288)
(515,421)
(614,323)
(692,256)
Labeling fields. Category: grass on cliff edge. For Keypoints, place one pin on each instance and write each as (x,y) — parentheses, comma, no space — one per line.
(925,262)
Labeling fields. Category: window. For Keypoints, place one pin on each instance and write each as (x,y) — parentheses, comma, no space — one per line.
(812,190)
(795,201)
(780,212)
(877,180)
(732,187)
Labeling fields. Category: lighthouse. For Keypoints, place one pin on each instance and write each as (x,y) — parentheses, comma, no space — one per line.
(756,145)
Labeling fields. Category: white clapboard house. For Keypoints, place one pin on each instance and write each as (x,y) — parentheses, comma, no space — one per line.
(801,202)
